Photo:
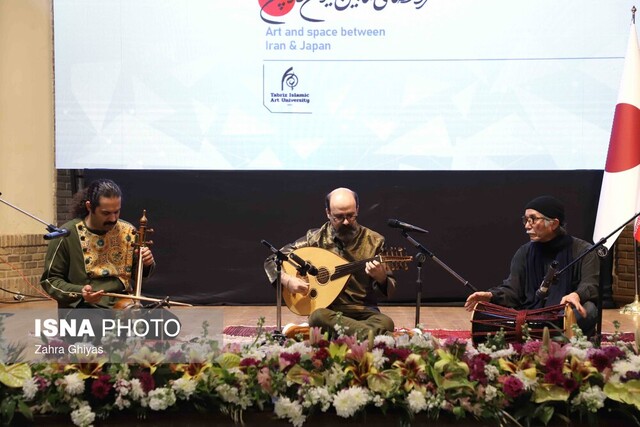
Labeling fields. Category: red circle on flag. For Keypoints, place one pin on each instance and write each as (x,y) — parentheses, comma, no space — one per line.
(624,145)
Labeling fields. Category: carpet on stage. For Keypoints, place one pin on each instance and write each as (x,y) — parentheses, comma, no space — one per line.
(250,331)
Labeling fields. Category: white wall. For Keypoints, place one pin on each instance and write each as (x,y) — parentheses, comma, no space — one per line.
(27,172)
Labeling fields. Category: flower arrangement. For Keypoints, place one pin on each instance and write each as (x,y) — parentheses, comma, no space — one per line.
(408,374)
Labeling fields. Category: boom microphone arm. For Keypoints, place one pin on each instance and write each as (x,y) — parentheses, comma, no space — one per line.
(53,231)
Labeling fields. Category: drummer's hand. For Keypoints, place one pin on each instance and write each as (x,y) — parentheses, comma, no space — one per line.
(147,257)
(294,284)
(476,297)
(89,296)
(376,270)
(574,299)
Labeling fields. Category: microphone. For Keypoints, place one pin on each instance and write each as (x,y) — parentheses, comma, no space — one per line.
(304,266)
(58,232)
(548,280)
(394,223)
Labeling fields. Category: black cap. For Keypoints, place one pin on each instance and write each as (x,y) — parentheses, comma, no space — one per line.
(548,206)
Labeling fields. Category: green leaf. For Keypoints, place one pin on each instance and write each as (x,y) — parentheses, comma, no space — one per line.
(457,384)
(228,360)
(550,392)
(297,374)
(25,410)
(544,413)
(384,382)
(14,375)
(7,409)
(628,392)
(338,351)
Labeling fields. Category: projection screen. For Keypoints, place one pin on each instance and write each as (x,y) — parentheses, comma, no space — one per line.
(336,85)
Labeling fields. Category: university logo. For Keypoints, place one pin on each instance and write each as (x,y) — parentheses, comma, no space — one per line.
(281,92)
(289,79)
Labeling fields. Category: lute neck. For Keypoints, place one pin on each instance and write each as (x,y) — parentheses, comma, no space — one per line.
(351,267)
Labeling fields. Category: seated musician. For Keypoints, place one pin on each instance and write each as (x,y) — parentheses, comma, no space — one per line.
(544,223)
(98,254)
(343,235)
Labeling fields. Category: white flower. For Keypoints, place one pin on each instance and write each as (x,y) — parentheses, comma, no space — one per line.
(122,403)
(505,353)
(29,388)
(592,398)
(349,401)
(340,329)
(622,366)
(255,353)
(334,377)
(580,353)
(266,351)
(137,392)
(83,416)
(580,342)
(228,394)
(483,348)
(379,358)
(494,353)
(317,396)
(421,340)
(417,401)
(197,353)
(184,387)
(490,393)
(161,398)
(284,408)
(384,339)
(122,387)
(491,372)
(377,400)
(73,384)
(402,340)
(299,347)
(233,395)
(528,383)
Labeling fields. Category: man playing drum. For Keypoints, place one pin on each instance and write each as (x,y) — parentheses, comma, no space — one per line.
(544,223)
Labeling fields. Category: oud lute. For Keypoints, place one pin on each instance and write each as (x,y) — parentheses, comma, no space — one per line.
(333,273)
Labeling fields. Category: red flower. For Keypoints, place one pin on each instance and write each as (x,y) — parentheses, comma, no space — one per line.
(249,361)
(613,352)
(554,364)
(570,385)
(289,359)
(321,354)
(531,347)
(101,387)
(147,381)
(554,377)
(397,354)
(599,360)
(476,368)
(513,387)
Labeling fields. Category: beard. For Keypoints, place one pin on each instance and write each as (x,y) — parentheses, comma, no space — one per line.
(346,233)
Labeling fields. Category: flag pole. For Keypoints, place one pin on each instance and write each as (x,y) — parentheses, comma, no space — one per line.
(634,307)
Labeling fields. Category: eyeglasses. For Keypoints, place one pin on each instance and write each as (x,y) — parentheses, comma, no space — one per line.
(341,218)
(532,219)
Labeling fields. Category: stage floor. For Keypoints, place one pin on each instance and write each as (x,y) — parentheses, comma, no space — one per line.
(431,317)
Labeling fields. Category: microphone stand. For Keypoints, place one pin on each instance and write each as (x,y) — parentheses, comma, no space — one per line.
(426,251)
(279,258)
(52,229)
(421,258)
(602,252)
